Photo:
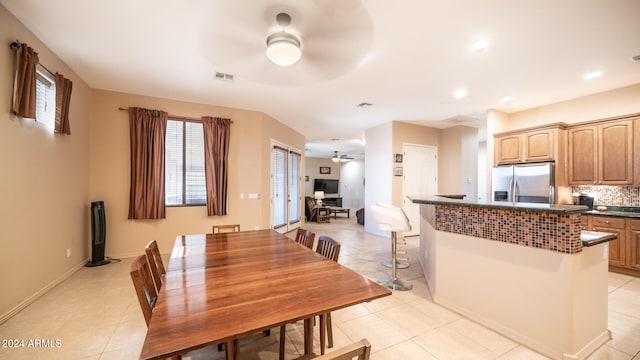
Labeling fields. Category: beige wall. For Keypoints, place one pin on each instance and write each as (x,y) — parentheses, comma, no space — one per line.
(312,170)
(606,104)
(458,161)
(45,184)
(249,171)
(404,133)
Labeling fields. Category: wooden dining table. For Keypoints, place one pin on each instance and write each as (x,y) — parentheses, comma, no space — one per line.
(221,287)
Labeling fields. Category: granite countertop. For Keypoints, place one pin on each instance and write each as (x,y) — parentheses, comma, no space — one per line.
(500,205)
(591,238)
(618,211)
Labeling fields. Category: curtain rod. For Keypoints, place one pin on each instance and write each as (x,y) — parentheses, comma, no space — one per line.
(177,117)
(15,45)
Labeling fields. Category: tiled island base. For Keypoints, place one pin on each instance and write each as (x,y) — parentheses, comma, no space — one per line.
(522,273)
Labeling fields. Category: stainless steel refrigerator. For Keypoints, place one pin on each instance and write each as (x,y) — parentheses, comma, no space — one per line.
(532,183)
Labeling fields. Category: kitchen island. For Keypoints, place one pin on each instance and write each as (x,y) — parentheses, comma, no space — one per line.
(520,269)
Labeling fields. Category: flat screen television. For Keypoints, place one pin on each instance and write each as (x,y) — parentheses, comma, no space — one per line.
(329,186)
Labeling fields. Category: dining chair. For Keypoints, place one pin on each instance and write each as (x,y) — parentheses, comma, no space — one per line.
(305,237)
(361,349)
(330,249)
(155,263)
(221,229)
(145,288)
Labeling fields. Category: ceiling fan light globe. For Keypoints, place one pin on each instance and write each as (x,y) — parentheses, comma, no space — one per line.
(283,49)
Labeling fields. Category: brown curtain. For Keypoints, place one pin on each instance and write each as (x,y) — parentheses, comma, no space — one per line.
(24,84)
(217,132)
(63,99)
(147,130)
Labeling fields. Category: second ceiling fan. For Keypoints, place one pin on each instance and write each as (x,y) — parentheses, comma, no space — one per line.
(340,158)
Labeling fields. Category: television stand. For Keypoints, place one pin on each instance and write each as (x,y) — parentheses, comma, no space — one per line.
(332,201)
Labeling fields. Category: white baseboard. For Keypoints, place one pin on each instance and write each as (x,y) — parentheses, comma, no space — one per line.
(28,301)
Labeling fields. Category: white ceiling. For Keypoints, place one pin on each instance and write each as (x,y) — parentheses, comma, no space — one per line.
(407,57)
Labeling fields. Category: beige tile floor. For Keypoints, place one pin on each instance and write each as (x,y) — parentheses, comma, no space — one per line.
(95,315)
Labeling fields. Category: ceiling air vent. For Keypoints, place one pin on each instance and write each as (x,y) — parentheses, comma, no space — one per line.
(224,76)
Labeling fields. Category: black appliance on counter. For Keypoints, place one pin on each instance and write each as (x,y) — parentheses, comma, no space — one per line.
(586,200)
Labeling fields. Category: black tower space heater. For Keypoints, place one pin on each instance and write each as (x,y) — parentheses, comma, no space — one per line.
(98,235)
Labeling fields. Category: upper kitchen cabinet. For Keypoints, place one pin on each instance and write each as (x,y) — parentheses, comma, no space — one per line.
(583,157)
(602,153)
(531,145)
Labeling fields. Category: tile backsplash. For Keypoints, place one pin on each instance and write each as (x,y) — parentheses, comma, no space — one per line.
(555,232)
(612,195)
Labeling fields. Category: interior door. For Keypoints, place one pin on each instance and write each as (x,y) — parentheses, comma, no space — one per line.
(420,177)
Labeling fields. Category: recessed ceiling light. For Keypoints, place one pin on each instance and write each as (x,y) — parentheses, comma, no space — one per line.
(479,45)
(460,93)
(507,99)
(593,75)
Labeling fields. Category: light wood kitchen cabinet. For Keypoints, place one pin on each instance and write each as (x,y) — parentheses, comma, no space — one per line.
(526,146)
(616,247)
(582,155)
(624,252)
(601,153)
(539,145)
(508,149)
(634,245)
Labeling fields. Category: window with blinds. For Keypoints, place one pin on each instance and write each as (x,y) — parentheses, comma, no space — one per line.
(45,100)
(184,164)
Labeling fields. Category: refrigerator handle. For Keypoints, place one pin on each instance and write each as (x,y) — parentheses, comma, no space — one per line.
(511,189)
(552,198)
(515,191)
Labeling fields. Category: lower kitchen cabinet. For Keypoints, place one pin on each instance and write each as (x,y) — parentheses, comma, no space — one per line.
(624,252)
(634,245)
(616,247)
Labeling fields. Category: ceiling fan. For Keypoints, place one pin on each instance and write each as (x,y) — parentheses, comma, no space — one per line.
(340,158)
(289,42)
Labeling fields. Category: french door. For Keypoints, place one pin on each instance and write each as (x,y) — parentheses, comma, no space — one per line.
(286,198)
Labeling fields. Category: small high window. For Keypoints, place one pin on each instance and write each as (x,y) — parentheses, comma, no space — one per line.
(45,100)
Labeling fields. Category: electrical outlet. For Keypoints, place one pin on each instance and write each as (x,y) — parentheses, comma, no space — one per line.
(68,252)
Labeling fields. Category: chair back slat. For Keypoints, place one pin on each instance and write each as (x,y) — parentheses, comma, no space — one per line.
(361,349)
(328,247)
(305,237)
(145,288)
(221,229)
(155,263)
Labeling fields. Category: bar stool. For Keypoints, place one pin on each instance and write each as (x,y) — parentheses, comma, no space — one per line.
(401,263)
(393,219)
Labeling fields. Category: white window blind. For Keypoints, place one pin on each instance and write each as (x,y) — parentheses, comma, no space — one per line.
(184,164)
(279,187)
(195,184)
(45,100)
